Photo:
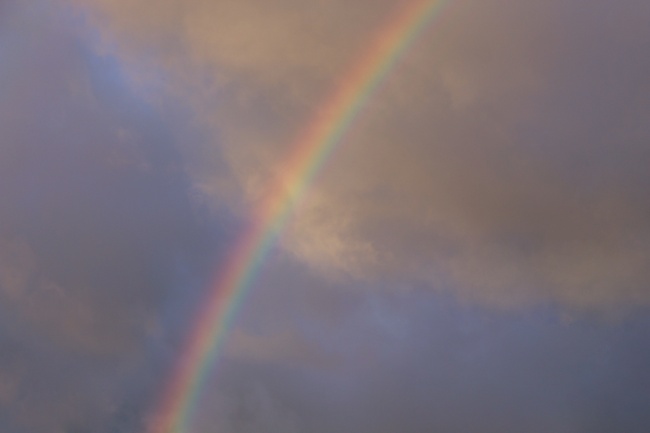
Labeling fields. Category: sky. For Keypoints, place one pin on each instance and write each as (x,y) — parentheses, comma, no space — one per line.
(473,257)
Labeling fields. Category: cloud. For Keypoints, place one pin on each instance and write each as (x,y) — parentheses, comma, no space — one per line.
(503,158)
(286,348)
(99,237)
(414,361)
(257,410)
(503,161)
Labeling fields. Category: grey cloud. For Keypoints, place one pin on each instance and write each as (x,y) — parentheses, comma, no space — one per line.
(502,162)
(95,198)
(255,409)
(505,195)
(286,348)
(412,360)
(478,371)
(102,248)
(450,368)
(504,157)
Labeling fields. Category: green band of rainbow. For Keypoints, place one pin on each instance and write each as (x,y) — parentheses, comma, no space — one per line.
(310,152)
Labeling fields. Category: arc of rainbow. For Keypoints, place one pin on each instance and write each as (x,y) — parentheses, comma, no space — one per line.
(310,152)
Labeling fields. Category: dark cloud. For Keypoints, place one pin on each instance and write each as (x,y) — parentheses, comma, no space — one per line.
(99,234)
(503,164)
(504,158)
(418,362)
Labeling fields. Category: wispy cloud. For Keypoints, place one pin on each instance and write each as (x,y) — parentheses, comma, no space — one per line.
(503,159)
(503,163)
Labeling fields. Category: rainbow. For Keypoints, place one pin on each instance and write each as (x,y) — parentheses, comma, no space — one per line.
(311,150)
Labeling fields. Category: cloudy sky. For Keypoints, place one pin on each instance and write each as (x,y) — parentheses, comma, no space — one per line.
(474,257)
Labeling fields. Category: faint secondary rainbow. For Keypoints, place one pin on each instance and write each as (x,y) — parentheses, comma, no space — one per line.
(311,150)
